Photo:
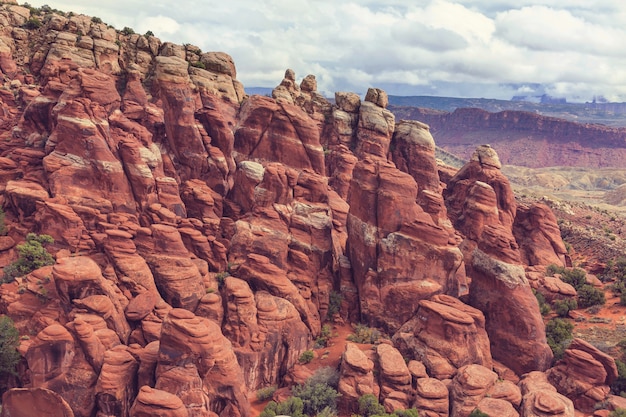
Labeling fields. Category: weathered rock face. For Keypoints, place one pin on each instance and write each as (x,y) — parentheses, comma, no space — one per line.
(539,398)
(389,235)
(445,335)
(25,402)
(200,235)
(538,236)
(468,388)
(583,375)
(356,378)
(482,206)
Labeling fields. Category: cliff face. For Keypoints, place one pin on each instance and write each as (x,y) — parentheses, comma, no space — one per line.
(524,138)
(199,234)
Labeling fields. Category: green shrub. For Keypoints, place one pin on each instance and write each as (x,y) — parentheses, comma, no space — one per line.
(9,342)
(334,304)
(364,334)
(559,335)
(622,299)
(544,307)
(148,34)
(589,296)
(3,226)
(127,31)
(478,413)
(620,412)
(325,375)
(327,412)
(554,269)
(316,397)
(266,393)
(369,406)
(618,387)
(32,23)
(95,19)
(324,337)
(32,255)
(306,356)
(292,406)
(198,64)
(576,277)
(563,307)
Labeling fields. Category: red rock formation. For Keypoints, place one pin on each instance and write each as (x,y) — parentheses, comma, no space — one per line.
(356,378)
(445,335)
(28,402)
(386,228)
(539,397)
(482,206)
(583,375)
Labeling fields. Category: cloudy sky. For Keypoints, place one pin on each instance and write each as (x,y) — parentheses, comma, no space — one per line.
(469,48)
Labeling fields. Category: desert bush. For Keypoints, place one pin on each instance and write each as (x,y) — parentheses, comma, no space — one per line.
(478,413)
(32,255)
(576,277)
(9,341)
(544,307)
(618,387)
(148,33)
(316,397)
(292,406)
(589,296)
(563,307)
(369,406)
(364,334)
(96,19)
(325,375)
(306,356)
(198,64)
(127,31)
(334,304)
(620,412)
(3,226)
(559,335)
(324,337)
(264,394)
(554,269)
(32,23)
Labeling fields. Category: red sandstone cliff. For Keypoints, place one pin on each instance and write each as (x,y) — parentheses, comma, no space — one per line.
(199,234)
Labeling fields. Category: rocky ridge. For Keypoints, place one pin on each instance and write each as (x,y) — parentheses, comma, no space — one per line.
(524,138)
(199,234)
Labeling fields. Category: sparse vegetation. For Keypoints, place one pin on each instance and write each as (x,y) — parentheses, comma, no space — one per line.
(148,34)
(478,413)
(563,307)
(544,307)
(127,31)
(316,397)
(370,407)
(266,393)
(306,356)
(324,337)
(620,412)
(32,255)
(198,64)
(32,23)
(559,336)
(292,406)
(3,226)
(334,304)
(364,334)
(589,296)
(9,342)
(96,20)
